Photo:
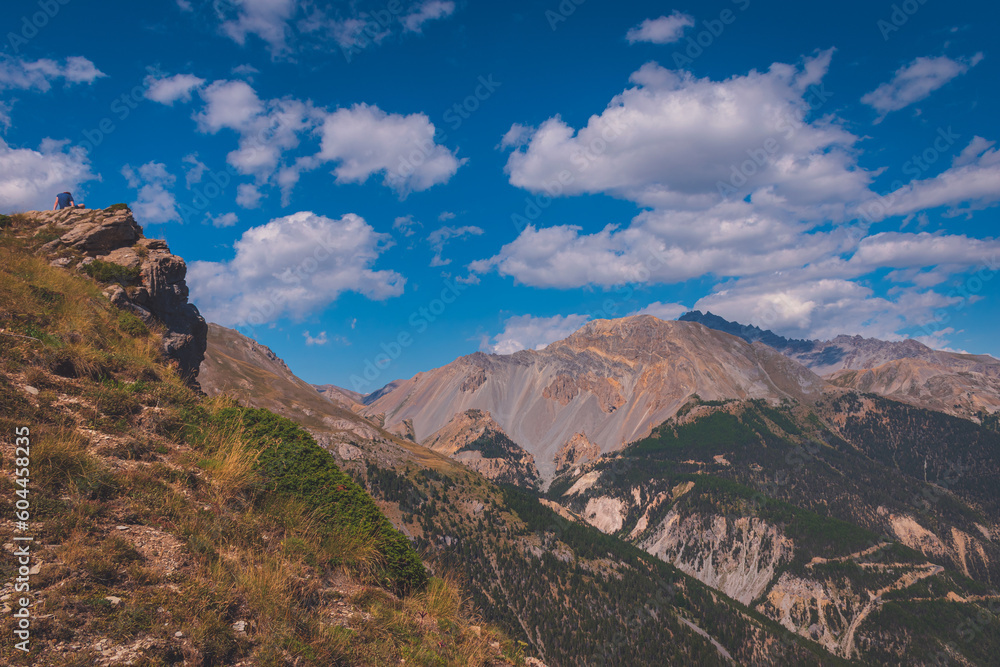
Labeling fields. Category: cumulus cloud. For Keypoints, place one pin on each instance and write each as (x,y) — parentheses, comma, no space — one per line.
(527,332)
(291,267)
(155,203)
(39,74)
(678,141)
(359,141)
(663,30)
(170,89)
(30,179)
(784,235)
(822,308)
(731,238)
(364,140)
(915,81)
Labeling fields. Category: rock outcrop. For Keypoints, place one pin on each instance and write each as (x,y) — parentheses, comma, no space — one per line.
(477,441)
(577,451)
(154,281)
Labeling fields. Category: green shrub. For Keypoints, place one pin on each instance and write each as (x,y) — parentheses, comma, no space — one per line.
(131,325)
(5,221)
(292,463)
(109,272)
(116,207)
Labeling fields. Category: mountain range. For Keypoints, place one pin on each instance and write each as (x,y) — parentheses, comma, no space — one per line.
(642,492)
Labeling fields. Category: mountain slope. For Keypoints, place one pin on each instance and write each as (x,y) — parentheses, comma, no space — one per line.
(612,379)
(818,519)
(907,370)
(574,595)
(166,528)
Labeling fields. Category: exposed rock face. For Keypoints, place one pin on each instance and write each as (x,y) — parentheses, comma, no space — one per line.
(477,441)
(162,295)
(738,556)
(613,379)
(577,451)
(906,370)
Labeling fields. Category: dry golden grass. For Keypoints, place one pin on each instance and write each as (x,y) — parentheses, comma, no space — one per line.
(60,460)
(233,457)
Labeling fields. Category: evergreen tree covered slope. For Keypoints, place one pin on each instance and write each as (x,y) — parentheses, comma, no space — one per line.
(845,523)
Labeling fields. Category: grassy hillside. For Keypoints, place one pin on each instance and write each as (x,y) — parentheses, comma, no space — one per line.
(170,528)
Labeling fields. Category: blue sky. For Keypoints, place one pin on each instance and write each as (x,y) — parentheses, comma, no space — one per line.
(373,189)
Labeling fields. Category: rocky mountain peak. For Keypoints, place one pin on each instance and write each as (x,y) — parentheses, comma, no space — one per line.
(151,283)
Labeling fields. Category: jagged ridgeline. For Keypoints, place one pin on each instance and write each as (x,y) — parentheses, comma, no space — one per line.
(169,528)
(863,524)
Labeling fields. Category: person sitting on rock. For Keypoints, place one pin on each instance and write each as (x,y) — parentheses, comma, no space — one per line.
(65,200)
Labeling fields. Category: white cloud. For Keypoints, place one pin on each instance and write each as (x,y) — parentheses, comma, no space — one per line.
(267,19)
(794,306)
(442,235)
(229,104)
(224,220)
(406,225)
(728,239)
(664,311)
(30,179)
(663,30)
(674,140)
(293,266)
(916,81)
(39,74)
(446,216)
(527,332)
(167,90)
(429,10)
(194,173)
(155,202)
(248,196)
(972,181)
(287,26)
(321,339)
(360,141)
(364,140)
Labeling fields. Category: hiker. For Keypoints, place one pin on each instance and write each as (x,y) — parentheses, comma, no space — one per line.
(65,200)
